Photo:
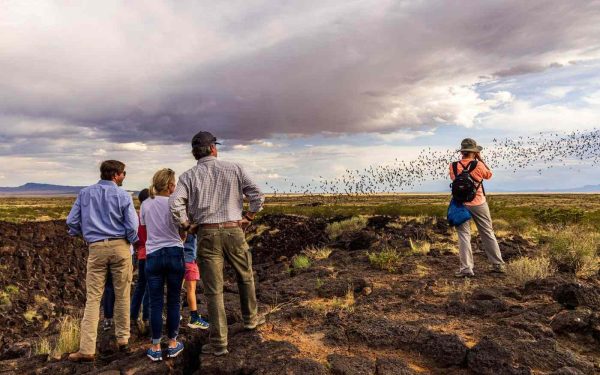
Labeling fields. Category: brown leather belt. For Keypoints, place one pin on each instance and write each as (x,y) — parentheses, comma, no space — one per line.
(227,224)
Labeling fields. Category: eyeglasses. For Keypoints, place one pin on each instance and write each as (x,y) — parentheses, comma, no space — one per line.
(124,173)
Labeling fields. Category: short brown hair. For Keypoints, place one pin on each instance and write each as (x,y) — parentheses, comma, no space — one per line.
(110,168)
(200,151)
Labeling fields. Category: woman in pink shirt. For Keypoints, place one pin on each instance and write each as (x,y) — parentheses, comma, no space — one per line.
(479,211)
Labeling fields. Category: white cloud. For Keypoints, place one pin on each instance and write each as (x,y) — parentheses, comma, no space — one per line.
(130,146)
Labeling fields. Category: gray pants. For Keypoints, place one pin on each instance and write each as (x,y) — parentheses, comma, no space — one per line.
(483,220)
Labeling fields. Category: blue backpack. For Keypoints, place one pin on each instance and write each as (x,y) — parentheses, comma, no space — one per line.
(457,213)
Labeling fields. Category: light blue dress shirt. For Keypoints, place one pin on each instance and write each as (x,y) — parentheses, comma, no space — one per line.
(103,211)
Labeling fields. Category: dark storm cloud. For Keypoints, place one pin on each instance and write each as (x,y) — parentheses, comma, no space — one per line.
(159,73)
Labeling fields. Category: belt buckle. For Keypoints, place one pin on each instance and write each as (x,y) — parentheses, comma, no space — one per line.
(221,225)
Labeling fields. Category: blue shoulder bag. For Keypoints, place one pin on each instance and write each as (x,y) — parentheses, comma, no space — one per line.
(457,213)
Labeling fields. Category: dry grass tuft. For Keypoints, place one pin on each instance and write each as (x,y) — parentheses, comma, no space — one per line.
(317,253)
(323,305)
(334,230)
(419,247)
(42,347)
(30,315)
(68,337)
(526,269)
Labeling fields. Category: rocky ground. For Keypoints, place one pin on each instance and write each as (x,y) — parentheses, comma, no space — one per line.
(341,315)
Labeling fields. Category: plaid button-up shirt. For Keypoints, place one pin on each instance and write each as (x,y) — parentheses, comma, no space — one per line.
(213,192)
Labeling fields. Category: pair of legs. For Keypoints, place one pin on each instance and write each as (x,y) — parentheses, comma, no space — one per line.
(483,220)
(114,257)
(140,298)
(192,275)
(215,246)
(165,266)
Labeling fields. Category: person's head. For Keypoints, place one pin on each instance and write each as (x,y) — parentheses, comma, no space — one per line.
(204,144)
(469,148)
(163,183)
(113,170)
(143,195)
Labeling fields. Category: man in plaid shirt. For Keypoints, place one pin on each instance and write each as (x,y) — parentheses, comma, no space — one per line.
(209,197)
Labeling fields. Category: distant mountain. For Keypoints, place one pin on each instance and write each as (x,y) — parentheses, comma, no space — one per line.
(31,188)
(581,189)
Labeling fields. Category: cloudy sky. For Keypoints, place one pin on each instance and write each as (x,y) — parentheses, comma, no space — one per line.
(295,89)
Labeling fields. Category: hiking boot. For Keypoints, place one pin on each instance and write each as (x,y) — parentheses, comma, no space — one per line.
(123,347)
(79,357)
(198,323)
(258,321)
(155,356)
(210,349)
(461,274)
(499,268)
(174,352)
(107,324)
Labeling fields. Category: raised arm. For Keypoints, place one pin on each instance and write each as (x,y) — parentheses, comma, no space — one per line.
(74,218)
(255,197)
(178,202)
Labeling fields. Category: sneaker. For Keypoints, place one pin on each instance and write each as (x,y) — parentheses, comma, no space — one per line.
(210,349)
(155,356)
(499,268)
(174,352)
(461,274)
(107,324)
(258,321)
(198,324)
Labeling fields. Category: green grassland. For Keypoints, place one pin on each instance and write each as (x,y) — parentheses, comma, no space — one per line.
(514,208)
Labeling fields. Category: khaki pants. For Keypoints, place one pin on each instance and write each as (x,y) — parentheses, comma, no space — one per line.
(214,247)
(483,221)
(103,256)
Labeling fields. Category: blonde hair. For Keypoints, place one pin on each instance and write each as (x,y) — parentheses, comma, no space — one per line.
(161,180)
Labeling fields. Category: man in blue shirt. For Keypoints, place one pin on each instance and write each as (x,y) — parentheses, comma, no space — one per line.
(104,214)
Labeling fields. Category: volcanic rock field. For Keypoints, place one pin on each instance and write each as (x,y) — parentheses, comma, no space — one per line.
(339,315)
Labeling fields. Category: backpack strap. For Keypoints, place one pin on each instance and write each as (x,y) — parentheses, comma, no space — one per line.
(455,169)
(470,168)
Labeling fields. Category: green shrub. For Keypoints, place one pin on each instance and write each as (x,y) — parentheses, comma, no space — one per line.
(12,290)
(387,259)
(574,249)
(355,223)
(300,262)
(526,269)
(562,216)
(522,226)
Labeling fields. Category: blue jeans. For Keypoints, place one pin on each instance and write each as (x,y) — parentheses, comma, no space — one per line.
(108,301)
(165,266)
(140,294)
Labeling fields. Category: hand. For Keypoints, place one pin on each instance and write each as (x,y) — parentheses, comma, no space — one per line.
(245,223)
(185,226)
(193,229)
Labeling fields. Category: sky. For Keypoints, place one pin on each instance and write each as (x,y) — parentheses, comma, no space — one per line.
(293,90)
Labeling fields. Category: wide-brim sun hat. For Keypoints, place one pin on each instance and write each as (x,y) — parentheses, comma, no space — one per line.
(469,145)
